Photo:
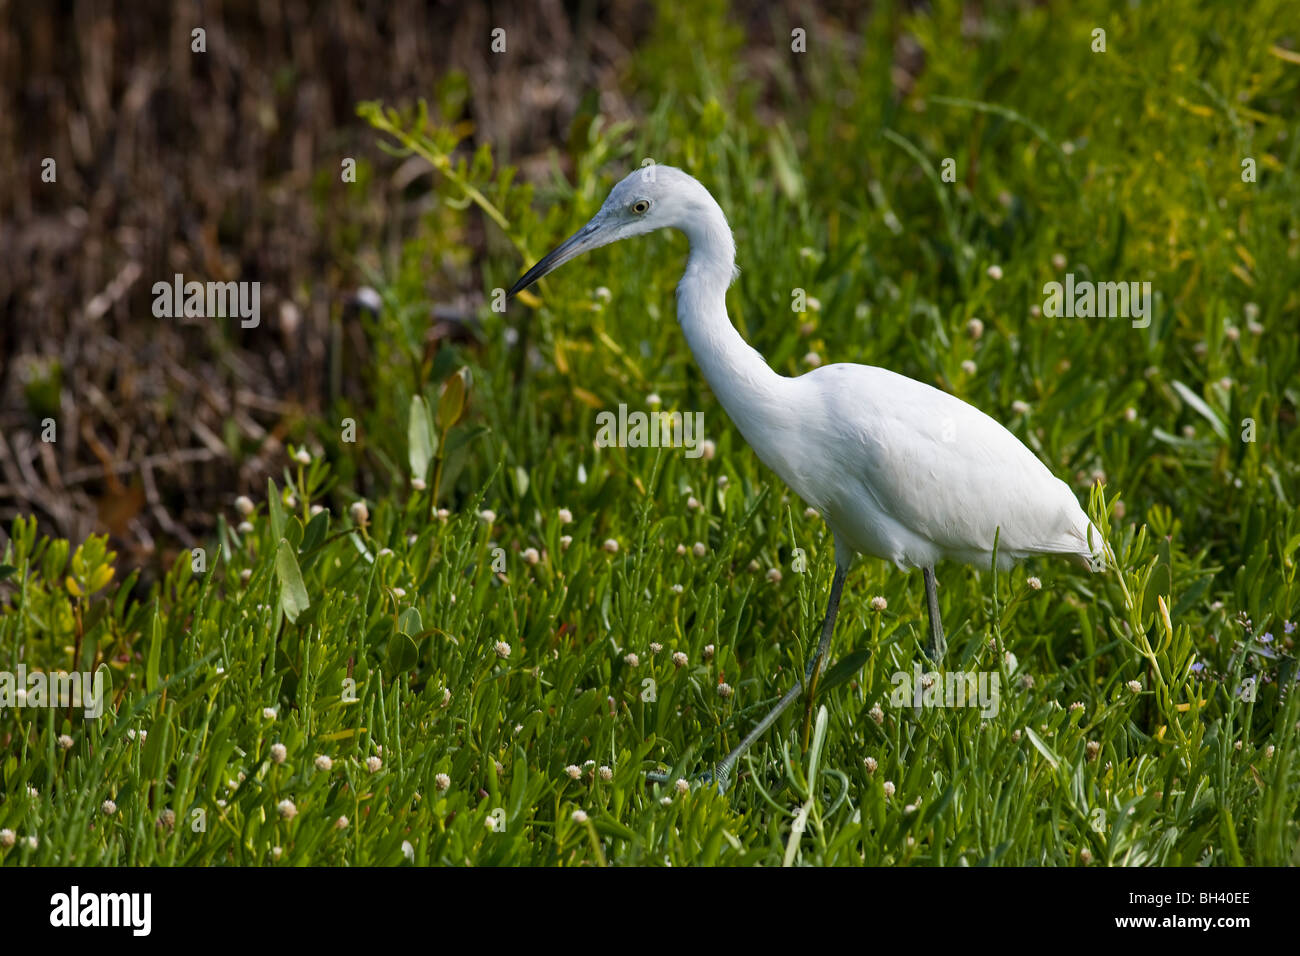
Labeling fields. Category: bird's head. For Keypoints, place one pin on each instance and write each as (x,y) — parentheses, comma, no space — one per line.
(652,197)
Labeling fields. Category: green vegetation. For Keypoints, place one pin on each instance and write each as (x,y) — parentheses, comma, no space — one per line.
(452,666)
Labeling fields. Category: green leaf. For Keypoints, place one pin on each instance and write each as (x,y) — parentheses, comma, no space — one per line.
(293,592)
(420,438)
(1204,410)
(844,669)
(1042,748)
(408,622)
(315,533)
(402,653)
(275,508)
(452,402)
(155,650)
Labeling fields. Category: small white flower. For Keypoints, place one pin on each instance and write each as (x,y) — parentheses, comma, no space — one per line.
(487,516)
(698,549)
(245,575)
(244,528)
(774,575)
(810,513)
(1135,687)
(606,774)
(7,839)
(679,659)
(611,546)
(870,764)
(579,816)
(244,505)
(385,552)
(32,842)
(324,763)
(680,549)
(442,782)
(1020,407)
(65,742)
(316,509)
(341,823)
(631,660)
(676,589)
(995,272)
(108,807)
(502,649)
(889,788)
(574,771)
(692,503)
(268,713)
(446,696)
(1034,583)
(724,690)
(812,360)
(878,603)
(279,752)
(373,764)
(709,651)
(531,556)
(968,367)
(277,852)
(876,714)
(708,449)
(418,484)
(399,593)
(566,516)
(655,647)
(653,400)
(359,513)
(287,809)
(975,328)
(408,851)
(442,514)
(666,801)
(682,786)
(301,457)
(1058,261)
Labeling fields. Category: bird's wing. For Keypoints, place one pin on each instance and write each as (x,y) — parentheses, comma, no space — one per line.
(943,470)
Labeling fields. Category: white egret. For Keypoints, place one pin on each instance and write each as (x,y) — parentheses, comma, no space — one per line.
(898,470)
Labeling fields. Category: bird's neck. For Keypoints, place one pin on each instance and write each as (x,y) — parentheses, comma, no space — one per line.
(736,372)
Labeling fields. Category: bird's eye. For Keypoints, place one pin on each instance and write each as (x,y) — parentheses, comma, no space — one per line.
(641,206)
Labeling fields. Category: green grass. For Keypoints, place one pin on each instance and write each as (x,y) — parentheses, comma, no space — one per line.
(1126,163)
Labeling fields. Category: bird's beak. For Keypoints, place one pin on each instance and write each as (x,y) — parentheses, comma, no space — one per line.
(588,237)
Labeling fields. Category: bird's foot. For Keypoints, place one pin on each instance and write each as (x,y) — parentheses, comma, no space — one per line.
(719,775)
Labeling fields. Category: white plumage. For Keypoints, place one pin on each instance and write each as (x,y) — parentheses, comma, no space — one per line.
(899,470)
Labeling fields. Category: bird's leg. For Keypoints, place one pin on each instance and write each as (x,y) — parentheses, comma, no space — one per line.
(938,646)
(720,774)
(814,667)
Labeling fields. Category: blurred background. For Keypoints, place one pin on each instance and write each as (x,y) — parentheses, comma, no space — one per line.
(224,165)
